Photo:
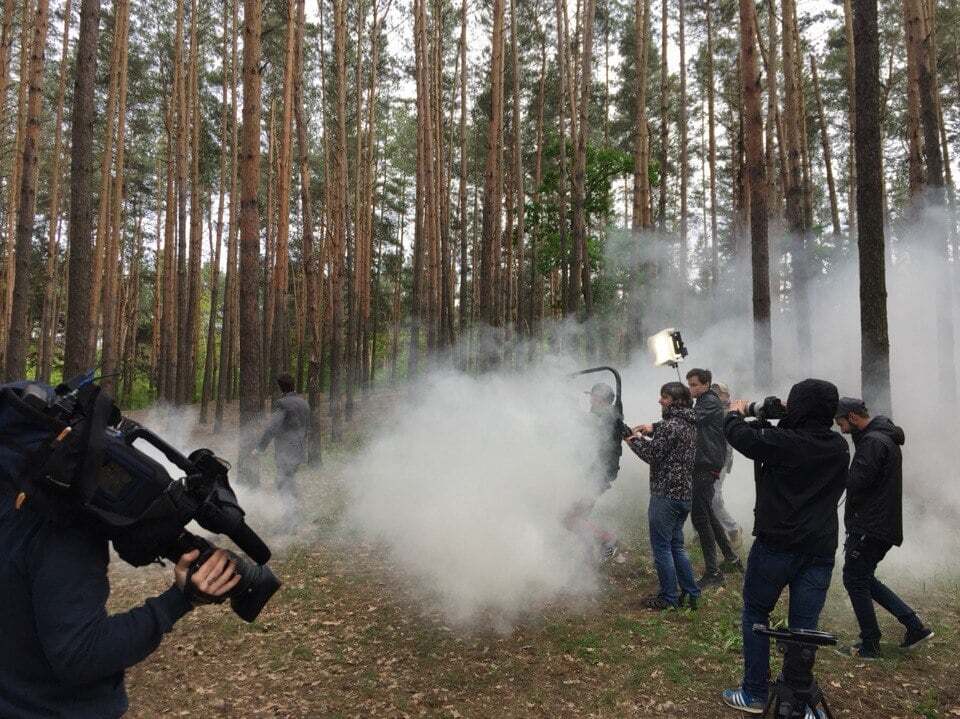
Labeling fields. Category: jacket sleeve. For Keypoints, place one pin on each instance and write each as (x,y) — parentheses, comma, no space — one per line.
(70,589)
(867,465)
(657,448)
(754,440)
(273,428)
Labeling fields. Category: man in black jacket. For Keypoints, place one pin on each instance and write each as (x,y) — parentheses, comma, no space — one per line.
(62,655)
(800,470)
(874,524)
(711,455)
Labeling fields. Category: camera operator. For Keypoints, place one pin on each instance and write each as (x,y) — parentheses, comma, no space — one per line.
(670,451)
(61,654)
(606,424)
(873,520)
(711,455)
(800,470)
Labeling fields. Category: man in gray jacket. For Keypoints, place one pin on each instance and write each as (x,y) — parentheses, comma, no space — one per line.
(288,430)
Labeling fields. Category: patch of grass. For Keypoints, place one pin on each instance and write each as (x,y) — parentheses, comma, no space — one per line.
(928,706)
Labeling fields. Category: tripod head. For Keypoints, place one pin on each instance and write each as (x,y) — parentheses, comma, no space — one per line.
(796,690)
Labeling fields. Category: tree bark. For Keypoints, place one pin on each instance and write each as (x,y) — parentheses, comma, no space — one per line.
(580,272)
(712,154)
(112,246)
(825,144)
(641,138)
(20,324)
(874,339)
(491,176)
(753,140)
(48,321)
(76,354)
(664,115)
(852,183)
(249,358)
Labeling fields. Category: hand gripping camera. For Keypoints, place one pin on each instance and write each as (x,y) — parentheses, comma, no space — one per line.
(770,408)
(70,454)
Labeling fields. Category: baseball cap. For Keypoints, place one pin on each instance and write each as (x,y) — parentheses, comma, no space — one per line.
(846,405)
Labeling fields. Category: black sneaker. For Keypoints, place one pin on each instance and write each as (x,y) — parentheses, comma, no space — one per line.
(859,650)
(688,599)
(733,566)
(659,604)
(913,637)
(711,580)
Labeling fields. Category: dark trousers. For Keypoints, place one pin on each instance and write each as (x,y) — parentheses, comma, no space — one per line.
(769,571)
(705,522)
(861,555)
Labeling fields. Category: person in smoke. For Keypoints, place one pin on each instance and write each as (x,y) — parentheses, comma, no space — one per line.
(800,470)
(711,456)
(670,448)
(730,525)
(874,524)
(288,429)
(605,423)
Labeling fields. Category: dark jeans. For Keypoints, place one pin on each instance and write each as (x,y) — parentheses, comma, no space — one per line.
(861,555)
(666,517)
(705,522)
(769,570)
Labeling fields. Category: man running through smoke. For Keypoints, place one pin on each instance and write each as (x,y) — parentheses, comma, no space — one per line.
(605,424)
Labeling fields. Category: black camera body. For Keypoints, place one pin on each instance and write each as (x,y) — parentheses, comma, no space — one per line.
(75,461)
(770,408)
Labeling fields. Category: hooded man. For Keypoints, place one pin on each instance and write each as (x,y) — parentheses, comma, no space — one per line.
(874,524)
(800,469)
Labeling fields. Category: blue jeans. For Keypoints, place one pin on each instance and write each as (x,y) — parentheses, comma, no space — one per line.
(769,570)
(666,517)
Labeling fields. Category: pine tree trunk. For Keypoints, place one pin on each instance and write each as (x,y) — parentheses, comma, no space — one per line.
(76,355)
(536,278)
(224,369)
(852,183)
(641,138)
(168,334)
(712,154)
(16,176)
(874,339)
(20,325)
(249,358)
(753,140)
(48,320)
(196,220)
(664,115)
(462,187)
(338,216)
(312,337)
(825,144)
(492,170)
(684,170)
(935,226)
(563,47)
(580,272)
(115,233)
(912,30)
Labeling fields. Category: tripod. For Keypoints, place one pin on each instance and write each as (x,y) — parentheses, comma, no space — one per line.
(796,692)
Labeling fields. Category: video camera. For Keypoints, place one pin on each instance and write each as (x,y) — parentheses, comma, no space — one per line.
(70,454)
(771,408)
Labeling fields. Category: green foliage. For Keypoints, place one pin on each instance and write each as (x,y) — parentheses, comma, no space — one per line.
(603,165)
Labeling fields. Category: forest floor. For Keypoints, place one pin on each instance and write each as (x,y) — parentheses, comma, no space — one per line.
(346,636)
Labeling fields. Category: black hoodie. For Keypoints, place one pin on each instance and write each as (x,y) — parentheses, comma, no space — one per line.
(800,470)
(875,482)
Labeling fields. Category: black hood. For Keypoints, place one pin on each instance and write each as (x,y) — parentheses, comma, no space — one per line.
(812,404)
(881,424)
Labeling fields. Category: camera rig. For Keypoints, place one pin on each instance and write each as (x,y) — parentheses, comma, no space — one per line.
(796,692)
(69,454)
